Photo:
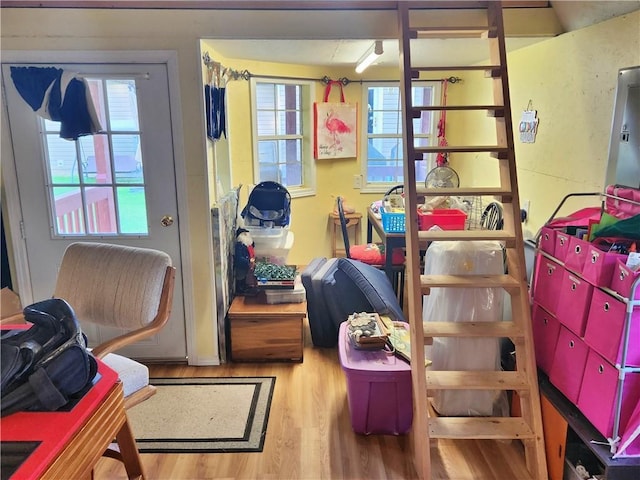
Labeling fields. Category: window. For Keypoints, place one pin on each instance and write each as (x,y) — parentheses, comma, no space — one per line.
(382,148)
(96,183)
(282,126)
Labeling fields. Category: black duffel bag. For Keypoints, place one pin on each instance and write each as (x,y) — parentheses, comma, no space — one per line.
(47,365)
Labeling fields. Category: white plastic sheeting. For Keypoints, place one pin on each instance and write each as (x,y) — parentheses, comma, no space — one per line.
(465,305)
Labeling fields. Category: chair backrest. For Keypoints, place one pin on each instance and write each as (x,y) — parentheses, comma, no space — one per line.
(395,190)
(116,285)
(343,225)
(491,218)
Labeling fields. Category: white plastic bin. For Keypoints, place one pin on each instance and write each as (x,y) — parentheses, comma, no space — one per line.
(265,238)
(277,255)
(297,295)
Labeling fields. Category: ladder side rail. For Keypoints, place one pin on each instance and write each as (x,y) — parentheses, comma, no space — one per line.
(536,462)
(420,427)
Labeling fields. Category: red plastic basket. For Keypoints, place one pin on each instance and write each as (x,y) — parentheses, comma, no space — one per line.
(445,218)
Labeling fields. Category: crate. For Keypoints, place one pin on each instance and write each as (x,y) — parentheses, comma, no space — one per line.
(378,388)
(445,218)
(392,222)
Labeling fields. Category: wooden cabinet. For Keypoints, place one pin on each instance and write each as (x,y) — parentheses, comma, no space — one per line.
(261,332)
(555,438)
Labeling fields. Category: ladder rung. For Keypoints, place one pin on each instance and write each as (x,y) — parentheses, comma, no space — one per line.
(444,235)
(505,193)
(493,111)
(488,428)
(462,149)
(470,281)
(471,329)
(442,68)
(458,31)
(476,380)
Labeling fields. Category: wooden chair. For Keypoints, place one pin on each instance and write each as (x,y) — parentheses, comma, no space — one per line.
(373,254)
(127,288)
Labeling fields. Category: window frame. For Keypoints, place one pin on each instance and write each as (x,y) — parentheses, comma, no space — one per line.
(381,187)
(308,165)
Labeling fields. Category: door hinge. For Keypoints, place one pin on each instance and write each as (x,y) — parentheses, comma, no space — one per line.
(22,232)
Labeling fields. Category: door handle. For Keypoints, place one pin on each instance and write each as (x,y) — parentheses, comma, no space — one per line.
(166,221)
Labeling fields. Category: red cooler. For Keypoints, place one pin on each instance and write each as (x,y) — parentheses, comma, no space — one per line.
(378,389)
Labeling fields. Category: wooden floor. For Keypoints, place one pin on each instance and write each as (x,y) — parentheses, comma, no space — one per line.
(309,436)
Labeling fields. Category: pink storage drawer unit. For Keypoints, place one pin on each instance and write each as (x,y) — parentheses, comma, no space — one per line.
(597,400)
(622,280)
(599,266)
(568,364)
(546,284)
(573,302)
(576,254)
(545,336)
(605,329)
(378,389)
(547,240)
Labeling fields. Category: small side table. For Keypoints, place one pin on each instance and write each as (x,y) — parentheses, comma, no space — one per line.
(353,220)
(261,332)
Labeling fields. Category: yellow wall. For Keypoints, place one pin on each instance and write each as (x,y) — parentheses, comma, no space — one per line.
(571,82)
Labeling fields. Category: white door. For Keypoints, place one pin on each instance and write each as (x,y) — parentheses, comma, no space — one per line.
(115,187)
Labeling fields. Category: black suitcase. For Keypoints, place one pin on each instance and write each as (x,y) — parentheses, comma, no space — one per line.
(323,329)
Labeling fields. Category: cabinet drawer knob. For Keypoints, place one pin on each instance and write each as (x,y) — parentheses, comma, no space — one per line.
(606,306)
(600,368)
(572,344)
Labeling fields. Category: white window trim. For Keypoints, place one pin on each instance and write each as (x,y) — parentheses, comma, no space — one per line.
(308,162)
(379,187)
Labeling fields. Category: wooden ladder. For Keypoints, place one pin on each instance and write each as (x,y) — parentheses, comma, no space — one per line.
(524,381)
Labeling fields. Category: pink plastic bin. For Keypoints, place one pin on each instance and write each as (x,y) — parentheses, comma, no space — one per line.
(378,389)
(562,246)
(576,255)
(599,266)
(574,298)
(568,364)
(547,240)
(622,280)
(597,399)
(545,336)
(547,282)
(605,329)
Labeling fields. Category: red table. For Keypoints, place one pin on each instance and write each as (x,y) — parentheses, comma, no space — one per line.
(69,444)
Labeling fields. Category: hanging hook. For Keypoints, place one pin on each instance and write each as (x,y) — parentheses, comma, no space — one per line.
(529,105)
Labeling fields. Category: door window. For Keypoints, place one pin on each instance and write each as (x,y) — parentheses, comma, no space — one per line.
(96,183)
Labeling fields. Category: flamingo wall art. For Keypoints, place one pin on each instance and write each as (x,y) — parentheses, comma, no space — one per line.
(335,129)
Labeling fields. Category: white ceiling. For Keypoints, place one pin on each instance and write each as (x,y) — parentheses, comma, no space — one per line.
(571,15)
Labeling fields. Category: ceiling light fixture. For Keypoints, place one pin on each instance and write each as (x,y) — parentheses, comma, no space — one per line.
(370,56)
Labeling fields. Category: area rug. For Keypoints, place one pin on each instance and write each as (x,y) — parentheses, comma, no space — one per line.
(204,415)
